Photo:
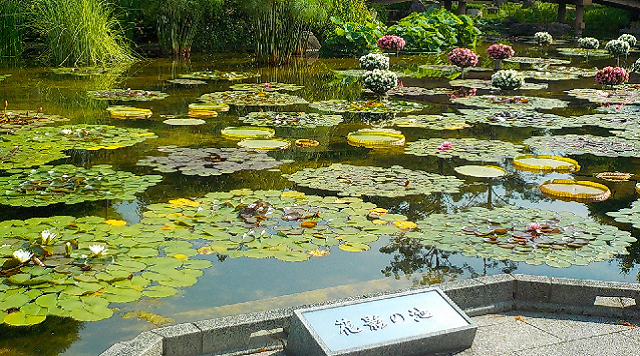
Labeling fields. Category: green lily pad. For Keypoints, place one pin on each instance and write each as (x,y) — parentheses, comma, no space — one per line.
(395,181)
(218,75)
(545,164)
(265,144)
(629,215)
(580,191)
(486,84)
(184,122)
(362,106)
(184,81)
(290,119)
(242,132)
(208,107)
(13,120)
(537,60)
(621,94)
(128,112)
(209,161)
(68,184)
(520,102)
(413,91)
(445,121)
(583,144)
(127,95)
(467,148)
(520,118)
(250,98)
(481,171)
(582,52)
(271,86)
(376,138)
(21,319)
(621,120)
(4,76)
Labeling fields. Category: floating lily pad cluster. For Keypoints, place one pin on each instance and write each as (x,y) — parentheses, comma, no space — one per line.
(466,148)
(486,84)
(360,72)
(549,75)
(432,122)
(88,71)
(583,52)
(581,144)
(70,184)
(630,215)
(218,75)
(394,181)
(537,60)
(364,106)
(75,267)
(25,119)
(519,118)
(290,119)
(209,161)
(414,91)
(611,121)
(251,98)
(519,102)
(619,109)
(533,236)
(273,86)
(629,132)
(127,95)
(184,81)
(623,94)
(289,226)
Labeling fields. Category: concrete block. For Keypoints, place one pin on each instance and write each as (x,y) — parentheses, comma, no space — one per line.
(532,288)
(499,288)
(584,292)
(146,344)
(467,293)
(180,340)
(117,349)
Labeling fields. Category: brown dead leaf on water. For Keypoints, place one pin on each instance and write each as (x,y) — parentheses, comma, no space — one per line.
(519,318)
(498,315)
(626,323)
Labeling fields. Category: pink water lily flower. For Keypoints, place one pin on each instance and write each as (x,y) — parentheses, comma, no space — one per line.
(445,146)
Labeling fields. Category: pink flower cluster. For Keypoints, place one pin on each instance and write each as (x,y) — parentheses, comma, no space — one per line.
(612,76)
(463,57)
(391,42)
(500,51)
(445,146)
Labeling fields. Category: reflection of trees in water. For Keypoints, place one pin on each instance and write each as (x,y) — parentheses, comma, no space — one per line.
(49,338)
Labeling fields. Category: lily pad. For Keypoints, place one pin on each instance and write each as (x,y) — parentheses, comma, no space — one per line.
(306,143)
(218,75)
(520,118)
(290,119)
(394,181)
(549,75)
(363,106)
(537,60)
(265,144)
(519,102)
(13,120)
(184,122)
(481,171)
(619,109)
(208,107)
(582,52)
(376,138)
(629,215)
(470,149)
(414,91)
(271,86)
(68,184)
(360,72)
(621,94)
(4,76)
(528,235)
(127,95)
(545,164)
(611,121)
(614,176)
(486,84)
(129,112)
(242,132)
(432,122)
(582,144)
(580,191)
(184,81)
(209,161)
(250,98)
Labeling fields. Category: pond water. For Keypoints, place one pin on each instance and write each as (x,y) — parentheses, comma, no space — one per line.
(237,280)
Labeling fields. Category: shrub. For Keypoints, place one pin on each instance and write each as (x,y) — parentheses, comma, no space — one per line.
(373,61)
(630,39)
(500,51)
(617,47)
(507,79)
(543,38)
(612,76)
(348,39)
(391,43)
(588,43)
(379,81)
(463,57)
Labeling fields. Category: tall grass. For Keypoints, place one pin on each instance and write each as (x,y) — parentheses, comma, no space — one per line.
(12,27)
(80,32)
(178,24)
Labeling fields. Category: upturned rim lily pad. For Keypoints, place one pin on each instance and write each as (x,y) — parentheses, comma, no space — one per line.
(290,119)
(445,121)
(127,95)
(250,98)
(545,164)
(129,112)
(470,149)
(208,107)
(265,144)
(581,144)
(184,122)
(242,132)
(515,101)
(614,176)
(478,171)
(571,190)
(376,138)
(306,143)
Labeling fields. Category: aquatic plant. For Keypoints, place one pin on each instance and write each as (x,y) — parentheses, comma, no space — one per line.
(12,27)
(126,95)
(373,61)
(379,81)
(619,95)
(376,138)
(618,48)
(519,118)
(178,22)
(470,149)
(545,164)
(582,144)
(507,79)
(219,75)
(571,190)
(517,101)
(588,43)
(266,144)
(349,39)
(542,38)
(367,106)
(432,122)
(242,132)
(250,98)
(26,119)
(486,84)
(391,43)
(612,76)
(477,171)
(290,119)
(630,39)
(538,60)
(270,86)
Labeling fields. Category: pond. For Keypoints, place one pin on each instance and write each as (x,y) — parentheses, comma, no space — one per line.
(361,218)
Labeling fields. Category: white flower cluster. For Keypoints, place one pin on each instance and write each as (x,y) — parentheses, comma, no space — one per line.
(635,67)
(373,61)
(507,79)
(588,43)
(379,81)
(617,47)
(542,38)
(630,39)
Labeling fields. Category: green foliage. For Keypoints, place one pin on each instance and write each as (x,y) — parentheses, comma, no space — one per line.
(179,22)
(603,18)
(434,30)
(349,10)
(539,12)
(225,28)
(348,39)
(12,21)
(79,32)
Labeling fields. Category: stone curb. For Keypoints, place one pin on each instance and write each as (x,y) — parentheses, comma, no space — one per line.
(491,294)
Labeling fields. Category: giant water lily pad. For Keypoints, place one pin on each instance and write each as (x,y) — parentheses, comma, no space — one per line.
(69,184)
(629,215)
(571,190)
(272,86)
(432,122)
(533,236)
(11,120)
(545,164)
(622,94)
(364,106)
(481,171)
(376,138)
(209,161)
(265,144)
(288,226)
(127,95)
(537,60)
(582,144)
(218,75)
(250,98)
(394,181)
(242,132)
(582,52)
(467,148)
(486,84)
(90,263)
(510,102)
(290,119)
(184,122)
(519,118)
(129,112)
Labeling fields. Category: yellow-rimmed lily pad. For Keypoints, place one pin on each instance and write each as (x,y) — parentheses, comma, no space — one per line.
(218,75)
(481,171)
(184,122)
(614,176)
(376,138)
(242,132)
(129,112)
(184,81)
(265,144)
(545,164)
(571,190)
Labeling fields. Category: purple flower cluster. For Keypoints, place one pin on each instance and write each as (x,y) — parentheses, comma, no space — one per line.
(463,57)
(612,76)
(391,43)
(500,51)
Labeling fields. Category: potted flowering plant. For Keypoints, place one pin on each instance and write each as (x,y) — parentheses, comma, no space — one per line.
(463,58)
(543,38)
(498,52)
(588,43)
(630,39)
(612,76)
(618,48)
(391,43)
(379,81)
(507,79)
(373,61)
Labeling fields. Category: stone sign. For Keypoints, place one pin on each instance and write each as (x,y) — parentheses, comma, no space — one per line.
(410,323)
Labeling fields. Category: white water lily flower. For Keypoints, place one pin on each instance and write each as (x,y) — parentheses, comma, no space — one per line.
(98,250)
(46,236)
(22,255)
(66,132)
